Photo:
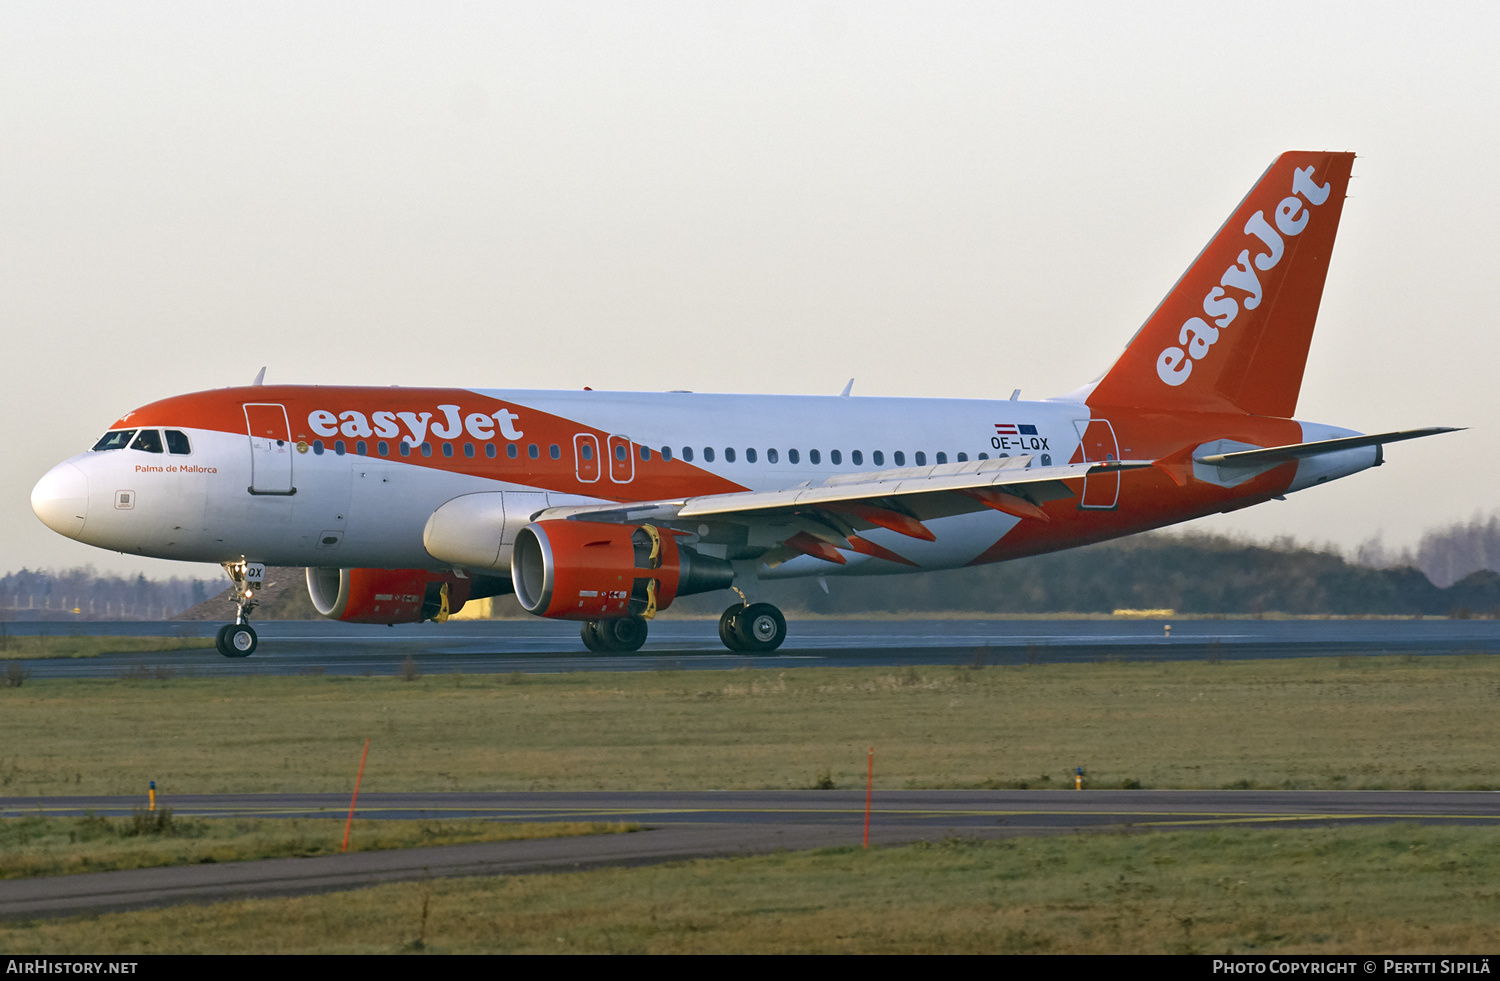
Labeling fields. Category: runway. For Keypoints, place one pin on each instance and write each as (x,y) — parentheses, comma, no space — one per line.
(535,646)
(679,826)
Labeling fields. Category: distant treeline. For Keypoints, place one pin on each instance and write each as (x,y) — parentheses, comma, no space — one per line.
(37,595)
(1189,573)
(1445,554)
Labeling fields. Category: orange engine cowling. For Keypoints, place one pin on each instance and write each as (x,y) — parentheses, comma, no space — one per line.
(590,570)
(384,595)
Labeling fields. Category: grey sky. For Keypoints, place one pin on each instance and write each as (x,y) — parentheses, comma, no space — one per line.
(937,199)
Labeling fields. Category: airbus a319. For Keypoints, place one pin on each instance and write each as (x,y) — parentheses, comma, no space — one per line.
(604,507)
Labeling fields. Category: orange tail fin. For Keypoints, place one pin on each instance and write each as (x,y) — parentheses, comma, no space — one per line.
(1233,334)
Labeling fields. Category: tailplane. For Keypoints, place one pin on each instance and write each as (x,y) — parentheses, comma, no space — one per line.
(1233,334)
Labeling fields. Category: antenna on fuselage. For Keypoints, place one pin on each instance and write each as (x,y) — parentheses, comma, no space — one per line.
(1015,395)
(847,389)
(260,377)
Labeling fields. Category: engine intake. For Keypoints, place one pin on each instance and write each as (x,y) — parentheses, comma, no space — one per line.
(589,570)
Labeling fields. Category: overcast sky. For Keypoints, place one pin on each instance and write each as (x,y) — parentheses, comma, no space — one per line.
(936,199)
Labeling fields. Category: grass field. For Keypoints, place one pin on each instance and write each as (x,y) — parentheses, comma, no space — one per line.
(1369,890)
(1380,722)
(39,845)
(33,646)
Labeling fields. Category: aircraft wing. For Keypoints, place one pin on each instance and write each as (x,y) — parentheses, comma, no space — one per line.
(820,518)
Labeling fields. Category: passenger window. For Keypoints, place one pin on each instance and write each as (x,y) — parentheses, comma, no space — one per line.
(361,448)
(835,457)
(984,456)
(857,458)
(115,440)
(489,450)
(749,454)
(469,450)
(791,456)
(1046,459)
(338,448)
(383,448)
(963,458)
(512,451)
(177,442)
(942,458)
(586,450)
(427,448)
(533,452)
(405,448)
(771,456)
(921,458)
(814,457)
(878,458)
(666,452)
(148,441)
(687,453)
(318,447)
(899,458)
(729,454)
(555,451)
(646,453)
(620,452)
(708,454)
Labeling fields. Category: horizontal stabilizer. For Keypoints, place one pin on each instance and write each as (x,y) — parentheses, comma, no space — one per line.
(1297,451)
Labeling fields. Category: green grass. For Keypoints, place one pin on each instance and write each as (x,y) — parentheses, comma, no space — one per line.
(39,845)
(1366,890)
(34,646)
(1356,723)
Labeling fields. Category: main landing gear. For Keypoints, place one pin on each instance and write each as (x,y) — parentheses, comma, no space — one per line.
(238,639)
(754,628)
(624,635)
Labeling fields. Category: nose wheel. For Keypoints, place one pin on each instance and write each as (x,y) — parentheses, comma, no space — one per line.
(754,629)
(236,640)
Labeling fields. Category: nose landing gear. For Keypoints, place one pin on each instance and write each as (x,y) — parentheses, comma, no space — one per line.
(239,639)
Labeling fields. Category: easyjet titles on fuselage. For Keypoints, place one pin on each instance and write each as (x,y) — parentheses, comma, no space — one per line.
(454,423)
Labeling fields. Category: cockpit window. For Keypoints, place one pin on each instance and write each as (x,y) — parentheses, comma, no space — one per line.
(177,442)
(115,439)
(149,440)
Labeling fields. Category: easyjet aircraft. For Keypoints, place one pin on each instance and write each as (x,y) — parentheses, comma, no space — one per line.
(603,507)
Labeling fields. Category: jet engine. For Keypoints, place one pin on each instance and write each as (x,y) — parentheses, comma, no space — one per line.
(395,595)
(589,570)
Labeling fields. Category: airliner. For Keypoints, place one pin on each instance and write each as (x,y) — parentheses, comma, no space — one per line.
(604,507)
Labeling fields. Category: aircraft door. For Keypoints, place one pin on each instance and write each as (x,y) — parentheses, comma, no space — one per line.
(1101,491)
(270,448)
(621,462)
(586,457)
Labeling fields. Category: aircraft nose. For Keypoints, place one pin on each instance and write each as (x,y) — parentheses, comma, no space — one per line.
(61,499)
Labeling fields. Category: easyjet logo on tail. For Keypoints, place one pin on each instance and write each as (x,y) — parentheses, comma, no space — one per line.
(454,423)
(1198,335)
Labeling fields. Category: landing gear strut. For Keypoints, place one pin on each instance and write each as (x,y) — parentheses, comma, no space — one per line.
(238,639)
(624,634)
(756,628)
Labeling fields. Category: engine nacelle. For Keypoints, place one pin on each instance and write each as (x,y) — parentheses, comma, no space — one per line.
(384,595)
(590,570)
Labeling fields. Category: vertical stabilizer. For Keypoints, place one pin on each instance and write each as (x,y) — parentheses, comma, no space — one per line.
(1233,333)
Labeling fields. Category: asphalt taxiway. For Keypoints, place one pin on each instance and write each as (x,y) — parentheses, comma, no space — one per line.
(678,826)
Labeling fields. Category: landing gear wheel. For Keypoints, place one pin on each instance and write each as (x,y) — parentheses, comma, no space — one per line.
(728,633)
(760,628)
(627,633)
(236,640)
(593,638)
